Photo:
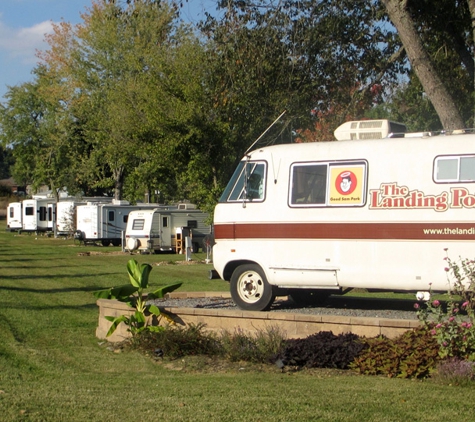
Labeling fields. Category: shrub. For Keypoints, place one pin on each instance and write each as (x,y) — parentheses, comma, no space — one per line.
(175,341)
(453,327)
(321,350)
(257,348)
(413,354)
(455,371)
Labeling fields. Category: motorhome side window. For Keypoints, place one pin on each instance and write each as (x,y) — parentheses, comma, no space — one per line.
(29,211)
(454,169)
(329,184)
(111,215)
(309,184)
(247,183)
(164,221)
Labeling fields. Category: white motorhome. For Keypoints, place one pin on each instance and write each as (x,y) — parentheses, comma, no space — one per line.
(166,230)
(323,217)
(14,217)
(38,214)
(100,222)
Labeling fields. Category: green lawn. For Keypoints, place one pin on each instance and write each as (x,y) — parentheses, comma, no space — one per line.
(52,368)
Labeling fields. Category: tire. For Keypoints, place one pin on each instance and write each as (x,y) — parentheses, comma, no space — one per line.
(105,242)
(132,244)
(250,290)
(116,242)
(196,247)
(306,297)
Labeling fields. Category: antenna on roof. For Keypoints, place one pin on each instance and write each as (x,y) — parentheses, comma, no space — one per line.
(263,133)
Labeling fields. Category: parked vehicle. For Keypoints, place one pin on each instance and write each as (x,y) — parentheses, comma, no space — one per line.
(38,215)
(166,230)
(312,219)
(104,222)
(14,218)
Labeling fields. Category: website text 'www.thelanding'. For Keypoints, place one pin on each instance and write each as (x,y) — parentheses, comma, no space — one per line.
(450,231)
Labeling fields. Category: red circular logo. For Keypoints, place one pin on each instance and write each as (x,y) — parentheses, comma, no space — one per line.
(346,182)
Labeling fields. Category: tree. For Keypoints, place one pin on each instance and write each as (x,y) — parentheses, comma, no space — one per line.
(319,60)
(40,139)
(117,64)
(402,14)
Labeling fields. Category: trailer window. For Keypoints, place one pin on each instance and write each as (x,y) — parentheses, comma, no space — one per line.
(247,183)
(138,224)
(455,169)
(12,212)
(164,221)
(29,211)
(50,214)
(192,224)
(42,213)
(111,215)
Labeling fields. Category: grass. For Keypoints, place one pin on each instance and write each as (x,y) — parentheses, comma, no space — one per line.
(52,368)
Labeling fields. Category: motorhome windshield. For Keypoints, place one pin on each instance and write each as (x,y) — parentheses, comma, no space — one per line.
(247,183)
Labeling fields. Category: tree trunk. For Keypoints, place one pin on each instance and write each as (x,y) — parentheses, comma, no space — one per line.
(434,87)
(471,8)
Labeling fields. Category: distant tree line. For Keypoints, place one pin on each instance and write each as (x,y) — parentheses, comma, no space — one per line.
(134,99)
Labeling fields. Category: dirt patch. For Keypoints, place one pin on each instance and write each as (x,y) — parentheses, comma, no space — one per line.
(161,263)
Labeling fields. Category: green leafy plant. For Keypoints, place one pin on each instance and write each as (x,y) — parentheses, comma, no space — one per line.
(413,354)
(454,327)
(134,295)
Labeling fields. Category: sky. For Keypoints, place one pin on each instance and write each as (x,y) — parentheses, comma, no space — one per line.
(24,23)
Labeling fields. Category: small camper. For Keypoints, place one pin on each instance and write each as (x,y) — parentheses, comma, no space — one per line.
(14,217)
(104,222)
(166,230)
(356,213)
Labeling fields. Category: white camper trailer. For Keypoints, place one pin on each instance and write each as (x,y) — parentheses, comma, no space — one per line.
(327,216)
(14,217)
(99,222)
(38,215)
(166,230)
(65,216)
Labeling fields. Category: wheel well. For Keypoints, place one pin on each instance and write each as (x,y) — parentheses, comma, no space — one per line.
(231,266)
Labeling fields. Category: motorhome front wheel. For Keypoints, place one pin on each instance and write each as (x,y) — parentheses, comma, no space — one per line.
(249,288)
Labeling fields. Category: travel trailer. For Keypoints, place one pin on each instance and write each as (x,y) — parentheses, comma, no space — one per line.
(104,222)
(38,214)
(66,216)
(14,217)
(166,230)
(312,219)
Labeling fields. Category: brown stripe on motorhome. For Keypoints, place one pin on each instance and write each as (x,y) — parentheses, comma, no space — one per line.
(362,231)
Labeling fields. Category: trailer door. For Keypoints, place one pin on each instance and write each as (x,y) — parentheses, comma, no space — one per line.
(165,231)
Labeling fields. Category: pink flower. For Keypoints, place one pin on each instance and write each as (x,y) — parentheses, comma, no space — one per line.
(456,310)
(451,319)
(438,325)
(433,332)
(465,304)
(416,306)
(446,269)
(435,303)
(446,249)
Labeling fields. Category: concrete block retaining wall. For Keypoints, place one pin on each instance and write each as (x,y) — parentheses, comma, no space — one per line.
(294,325)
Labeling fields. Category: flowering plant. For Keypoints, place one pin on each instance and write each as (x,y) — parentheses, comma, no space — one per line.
(454,324)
